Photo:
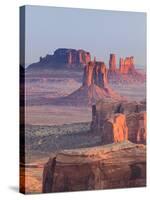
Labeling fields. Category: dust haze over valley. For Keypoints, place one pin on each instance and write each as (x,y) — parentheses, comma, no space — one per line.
(43,85)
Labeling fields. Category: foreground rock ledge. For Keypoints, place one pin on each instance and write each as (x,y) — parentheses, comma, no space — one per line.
(110,166)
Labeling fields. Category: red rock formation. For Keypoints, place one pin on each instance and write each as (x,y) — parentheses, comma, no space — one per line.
(95,73)
(88,74)
(121,65)
(112,63)
(136,123)
(114,129)
(67,56)
(126,65)
(100,74)
(118,165)
(119,120)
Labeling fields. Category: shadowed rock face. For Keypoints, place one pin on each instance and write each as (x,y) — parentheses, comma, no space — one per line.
(121,65)
(112,63)
(68,56)
(100,74)
(117,121)
(105,167)
(136,123)
(95,73)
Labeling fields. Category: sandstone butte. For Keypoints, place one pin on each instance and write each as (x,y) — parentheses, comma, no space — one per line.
(95,86)
(72,57)
(125,65)
(117,165)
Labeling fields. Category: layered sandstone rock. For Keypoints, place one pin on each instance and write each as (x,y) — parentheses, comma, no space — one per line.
(109,166)
(88,74)
(116,121)
(126,65)
(121,65)
(112,63)
(100,74)
(114,129)
(95,86)
(67,56)
(136,123)
(95,73)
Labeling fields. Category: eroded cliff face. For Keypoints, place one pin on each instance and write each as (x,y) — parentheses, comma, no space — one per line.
(95,73)
(112,63)
(126,65)
(117,121)
(114,129)
(67,56)
(88,74)
(136,123)
(105,167)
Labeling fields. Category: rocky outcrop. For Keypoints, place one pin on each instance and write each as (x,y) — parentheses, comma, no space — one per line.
(112,63)
(88,74)
(118,165)
(136,123)
(95,87)
(100,74)
(64,56)
(116,121)
(121,65)
(126,65)
(95,73)
(73,59)
(114,129)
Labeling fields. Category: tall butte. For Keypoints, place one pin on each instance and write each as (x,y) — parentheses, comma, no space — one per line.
(95,73)
(112,63)
(94,87)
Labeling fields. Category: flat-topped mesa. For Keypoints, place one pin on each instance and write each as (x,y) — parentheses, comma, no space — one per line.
(112,63)
(68,56)
(110,166)
(126,65)
(95,73)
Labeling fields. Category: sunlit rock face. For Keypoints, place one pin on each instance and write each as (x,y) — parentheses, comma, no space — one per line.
(88,74)
(126,65)
(95,73)
(116,121)
(103,167)
(112,63)
(114,129)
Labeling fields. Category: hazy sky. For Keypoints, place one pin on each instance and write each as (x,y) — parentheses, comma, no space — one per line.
(98,31)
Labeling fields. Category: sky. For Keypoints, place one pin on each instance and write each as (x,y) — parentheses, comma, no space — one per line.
(100,32)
